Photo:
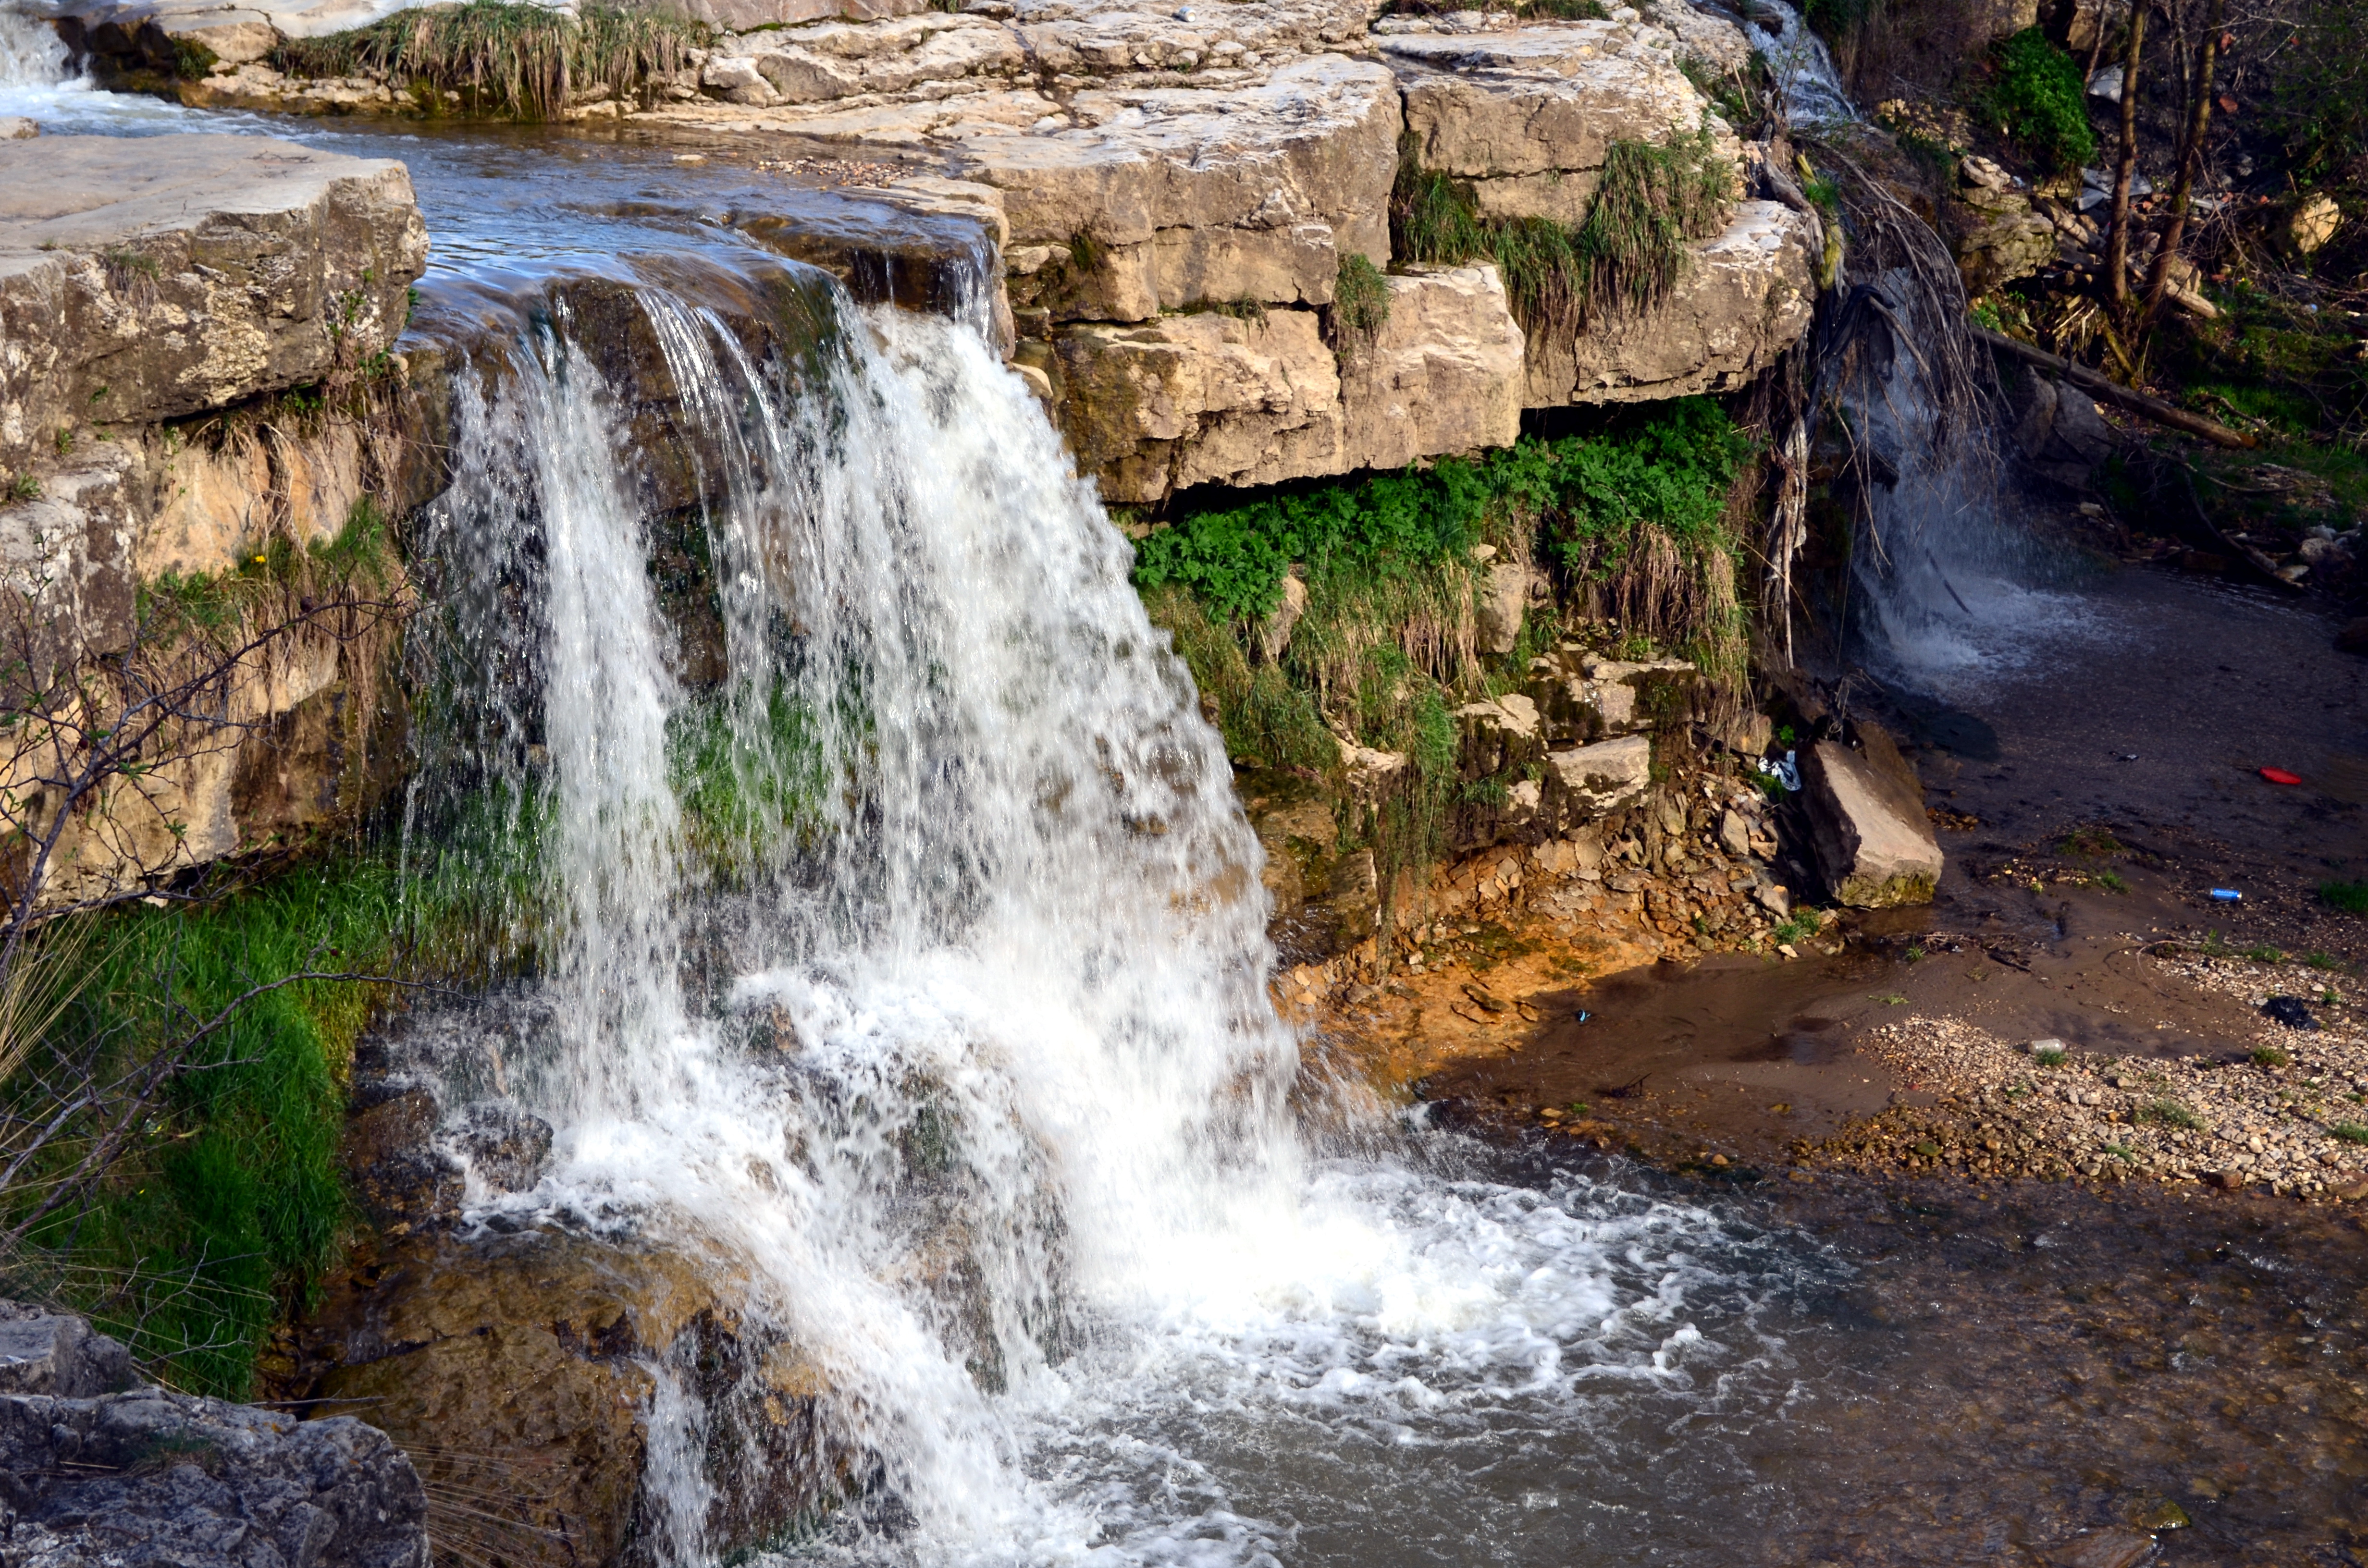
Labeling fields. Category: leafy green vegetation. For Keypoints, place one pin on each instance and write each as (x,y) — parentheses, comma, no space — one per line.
(2036,97)
(505,57)
(1629,520)
(1652,200)
(233,1207)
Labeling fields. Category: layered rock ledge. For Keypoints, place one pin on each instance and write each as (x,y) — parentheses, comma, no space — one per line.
(1173,193)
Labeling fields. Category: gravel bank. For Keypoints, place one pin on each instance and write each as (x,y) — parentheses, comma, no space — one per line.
(2287,1109)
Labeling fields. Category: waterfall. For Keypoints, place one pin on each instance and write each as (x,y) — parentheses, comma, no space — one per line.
(904,956)
(1804,68)
(31,53)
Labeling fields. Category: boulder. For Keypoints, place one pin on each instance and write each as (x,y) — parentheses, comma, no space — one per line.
(1591,782)
(1504,603)
(1745,297)
(152,1477)
(16,127)
(2000,236)
(1874,846)
(2060,432)
(144,278)
(2311,224)
(43,1352)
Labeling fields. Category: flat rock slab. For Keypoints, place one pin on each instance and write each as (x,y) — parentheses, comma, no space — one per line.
(145,278)
(1540,100)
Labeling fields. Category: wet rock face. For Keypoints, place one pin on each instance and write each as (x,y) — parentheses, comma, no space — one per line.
(2060,433)
(148,1476)
(149,277)
(519,1359)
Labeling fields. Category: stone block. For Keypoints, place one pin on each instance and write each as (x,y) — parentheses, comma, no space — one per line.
(1191,399)
(1590,782)
(1313,146)
(1443,375)
(1540,100)
(1874,847)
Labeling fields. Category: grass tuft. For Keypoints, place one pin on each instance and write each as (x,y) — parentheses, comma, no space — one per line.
(2350,897)
(505,58)
(1652,201)
(1360,306)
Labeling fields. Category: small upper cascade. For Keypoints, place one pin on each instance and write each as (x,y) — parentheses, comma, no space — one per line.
(1804,68)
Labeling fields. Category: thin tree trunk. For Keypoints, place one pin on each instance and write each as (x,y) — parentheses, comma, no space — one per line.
(2191,161)
(2117,248)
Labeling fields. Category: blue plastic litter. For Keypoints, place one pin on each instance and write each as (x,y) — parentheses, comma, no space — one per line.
(1788,773)
(2226,895)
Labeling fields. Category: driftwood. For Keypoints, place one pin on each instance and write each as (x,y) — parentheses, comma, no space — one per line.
(2119,396)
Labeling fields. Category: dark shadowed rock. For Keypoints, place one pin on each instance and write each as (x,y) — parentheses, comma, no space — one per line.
(149,1478)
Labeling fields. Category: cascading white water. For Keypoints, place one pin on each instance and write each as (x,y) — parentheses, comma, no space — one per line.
(987,1110)
(1804,68)
(31,54)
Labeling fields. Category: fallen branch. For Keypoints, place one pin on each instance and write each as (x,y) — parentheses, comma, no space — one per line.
(2119,396)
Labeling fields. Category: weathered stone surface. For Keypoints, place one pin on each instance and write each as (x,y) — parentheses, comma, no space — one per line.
(2060,432)
(1200,397)
(1873,845)
(1443,374)
(1114,36)
(146,277)
(2000,236)
(1189,399)
(1504,604)
(56,1353)
(16,127)
(1275,182)
(151,1477)
(1745,297)
(741,14)
(1540,100)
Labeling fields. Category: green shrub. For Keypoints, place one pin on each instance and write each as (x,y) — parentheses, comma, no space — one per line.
(2036,97)
(235,1208)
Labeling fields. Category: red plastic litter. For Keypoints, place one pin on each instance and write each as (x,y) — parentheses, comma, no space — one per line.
(2279,776)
